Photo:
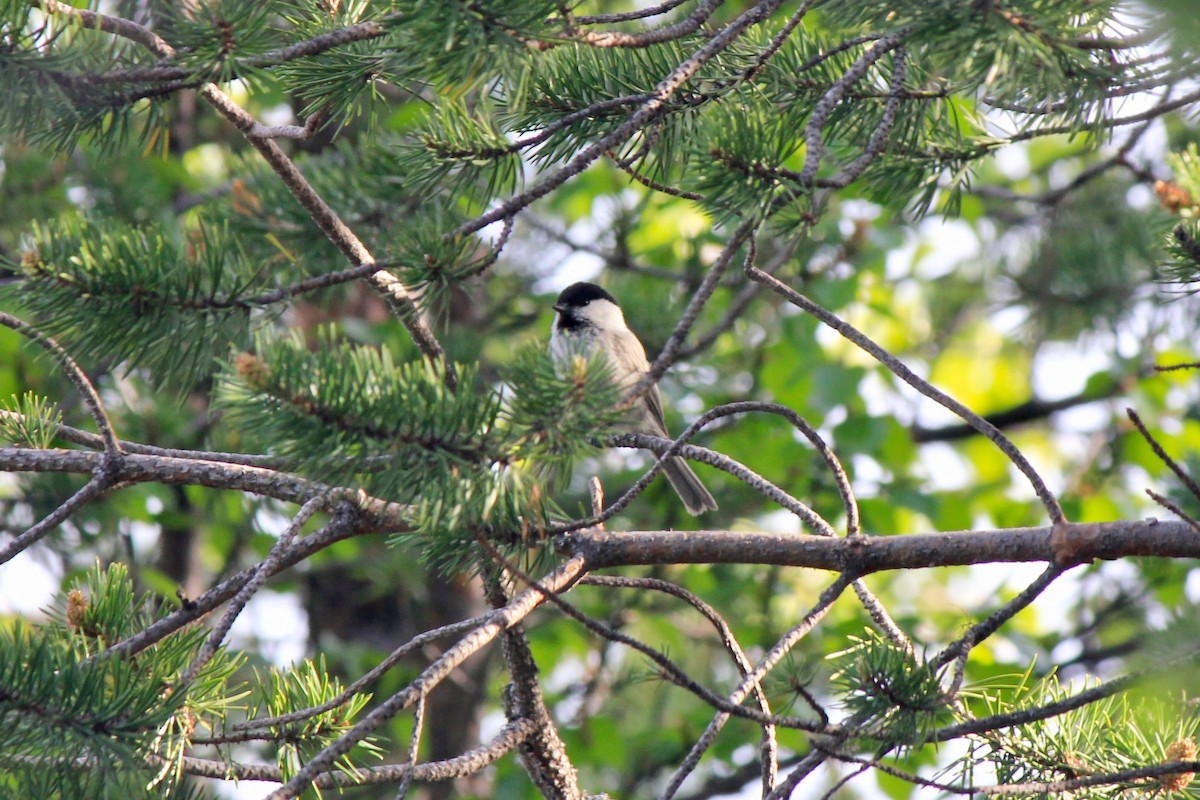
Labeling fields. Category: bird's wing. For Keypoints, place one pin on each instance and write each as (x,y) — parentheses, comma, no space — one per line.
(654,403)
(627,350)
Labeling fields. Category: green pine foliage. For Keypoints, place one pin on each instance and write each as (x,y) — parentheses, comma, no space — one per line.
(75,722)
(462,151)
(470,463)
(905,699)
(45,96)
(466,44)
(335,83)
(146,264)
(217,39)
(29,421)
(111,291)
(305,685)
(1108,735)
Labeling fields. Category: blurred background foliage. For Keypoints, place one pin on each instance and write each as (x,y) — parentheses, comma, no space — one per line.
(1011,288)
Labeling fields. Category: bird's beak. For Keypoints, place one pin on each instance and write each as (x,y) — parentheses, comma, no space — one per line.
(560,308)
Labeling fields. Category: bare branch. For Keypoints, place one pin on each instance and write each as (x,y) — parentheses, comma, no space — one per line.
(469,763)
(257,728)
(1174,509)
(520,607)
(678,30)
(414,743)
(101,481)
(268,567)
(1187,480)
(627,16)
(138,468)
(76,375)
(863,555)
(982,630)
(768,662)
(921,385)
(347,522)
(96,442)
(670,352)
(769,750)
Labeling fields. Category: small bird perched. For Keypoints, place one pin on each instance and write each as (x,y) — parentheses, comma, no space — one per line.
(590,316)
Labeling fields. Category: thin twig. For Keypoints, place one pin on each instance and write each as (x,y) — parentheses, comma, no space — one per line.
(878,138)
(677,447)
(414,743)
(256,728)
(982,630)
(667,669)
(768,662)
(700,297)
(100,482)
(860,339)
(544,755)
(77,376)
(1174,509)
(666,448)
(345,523)
(628,16)
(269,566)
(768,750)
(738,305)
(520,607)
(1188,481)
(678,30)
(778,40)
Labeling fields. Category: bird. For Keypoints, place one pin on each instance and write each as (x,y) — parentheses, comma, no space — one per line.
(589,318)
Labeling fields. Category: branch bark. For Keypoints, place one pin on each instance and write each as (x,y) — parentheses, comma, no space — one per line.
(1066,545)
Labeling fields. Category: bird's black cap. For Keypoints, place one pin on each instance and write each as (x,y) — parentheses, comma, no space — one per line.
(580,294)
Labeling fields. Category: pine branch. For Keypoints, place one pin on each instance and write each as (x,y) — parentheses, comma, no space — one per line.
(396,294)
(1067,544)
(544,755)
(398,297)
(643,116)
(136,468)
(468,763)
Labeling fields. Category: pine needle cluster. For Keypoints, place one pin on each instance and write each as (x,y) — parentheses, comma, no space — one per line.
(77,722)
(470,463)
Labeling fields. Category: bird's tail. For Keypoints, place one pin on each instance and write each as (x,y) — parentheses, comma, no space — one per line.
(696,499)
